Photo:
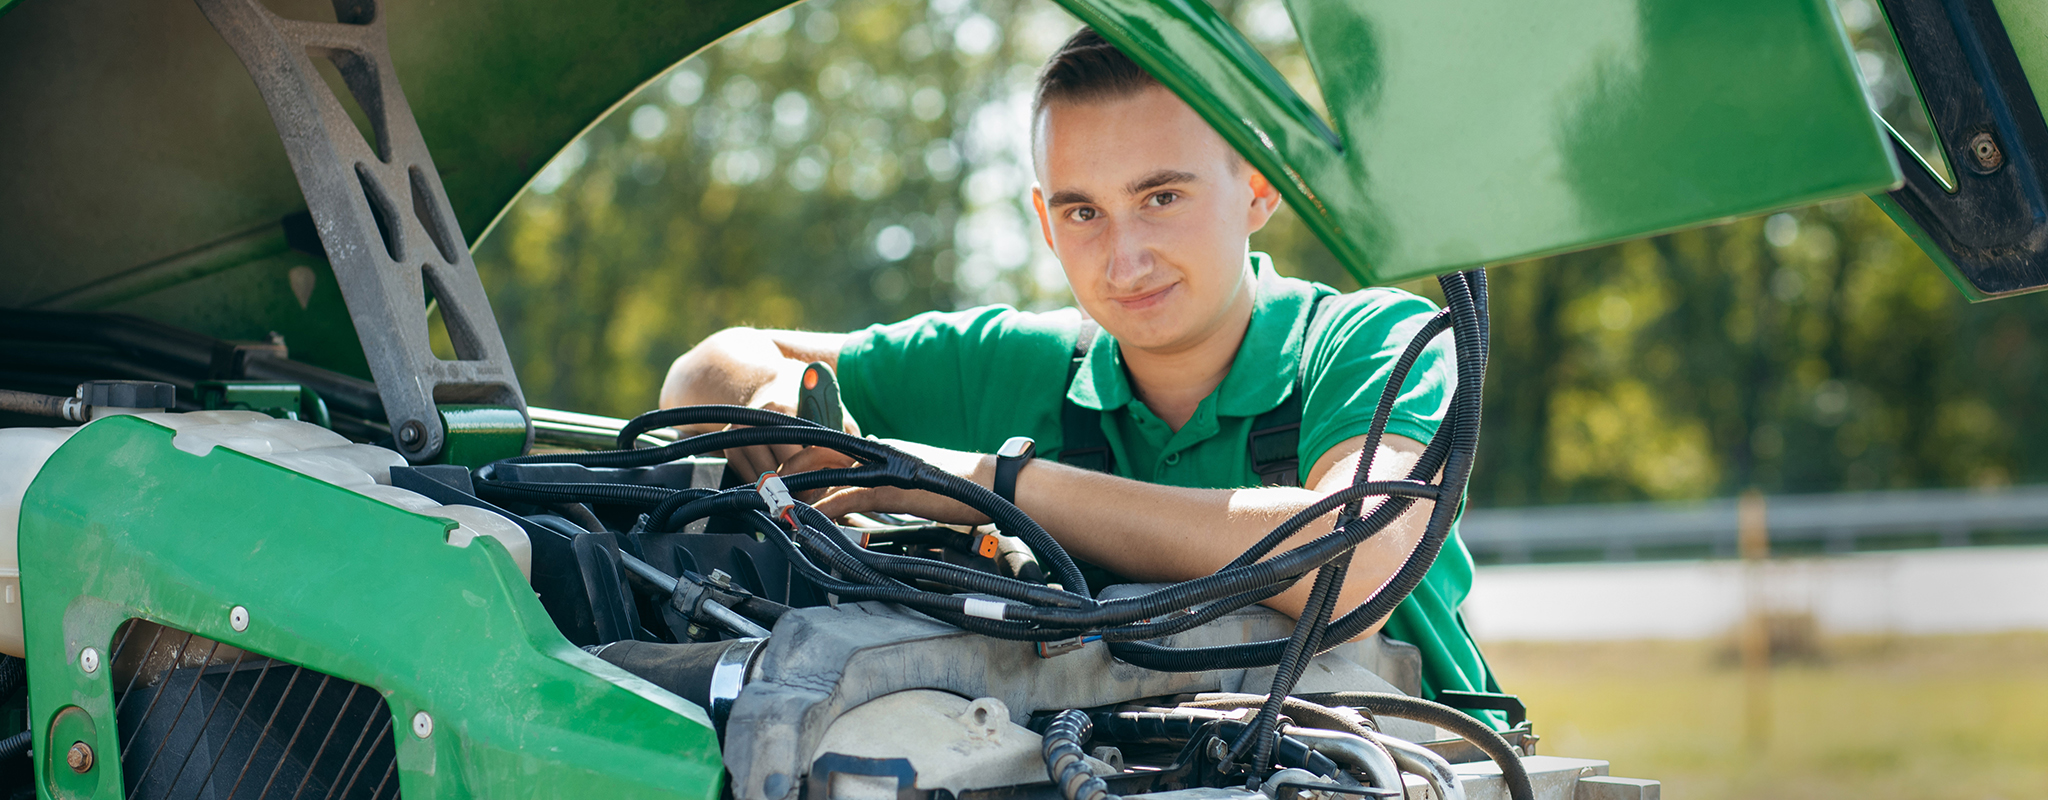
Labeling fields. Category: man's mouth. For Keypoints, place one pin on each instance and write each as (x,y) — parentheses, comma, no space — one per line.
(1140,302)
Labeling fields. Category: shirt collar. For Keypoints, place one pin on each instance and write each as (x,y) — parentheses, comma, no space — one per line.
(1253,386)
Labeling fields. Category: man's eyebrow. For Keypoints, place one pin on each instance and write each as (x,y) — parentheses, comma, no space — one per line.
(1158,179)
(1067,197)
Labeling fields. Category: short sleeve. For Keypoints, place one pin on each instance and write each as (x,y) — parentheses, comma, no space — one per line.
(963,380)
(1349,358)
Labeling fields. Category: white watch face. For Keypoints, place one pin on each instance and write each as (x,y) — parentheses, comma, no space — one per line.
(1016,446)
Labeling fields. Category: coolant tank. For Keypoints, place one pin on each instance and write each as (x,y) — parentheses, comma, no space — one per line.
(301,447)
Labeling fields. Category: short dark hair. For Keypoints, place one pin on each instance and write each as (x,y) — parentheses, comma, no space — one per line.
(1086,68)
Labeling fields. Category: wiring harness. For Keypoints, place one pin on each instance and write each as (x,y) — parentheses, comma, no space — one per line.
(1007,608)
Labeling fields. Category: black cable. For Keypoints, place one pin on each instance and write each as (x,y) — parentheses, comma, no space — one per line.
(554,493)
(703,415)
(1307,637)
(1456,437)
(820,551)
(1457,722)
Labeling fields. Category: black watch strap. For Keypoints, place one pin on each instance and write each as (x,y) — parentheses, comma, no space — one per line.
(1010,460)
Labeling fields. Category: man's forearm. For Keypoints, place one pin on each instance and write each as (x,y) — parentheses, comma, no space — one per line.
(1164,533)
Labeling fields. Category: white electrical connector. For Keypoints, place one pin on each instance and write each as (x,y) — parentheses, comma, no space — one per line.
(776,495)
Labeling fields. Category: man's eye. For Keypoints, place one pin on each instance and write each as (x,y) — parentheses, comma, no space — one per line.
(1164,198)
(1082,214)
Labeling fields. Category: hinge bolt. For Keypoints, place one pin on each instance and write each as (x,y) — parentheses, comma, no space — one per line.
(411,434)
(79,757)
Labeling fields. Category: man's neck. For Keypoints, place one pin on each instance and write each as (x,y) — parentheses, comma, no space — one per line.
(1173,383)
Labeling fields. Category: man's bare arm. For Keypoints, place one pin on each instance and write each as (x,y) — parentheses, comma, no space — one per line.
(749,367)
(1166,533)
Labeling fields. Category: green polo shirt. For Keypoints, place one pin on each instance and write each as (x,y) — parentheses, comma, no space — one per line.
(968,380)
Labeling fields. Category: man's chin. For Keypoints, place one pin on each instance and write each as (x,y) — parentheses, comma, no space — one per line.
(1151,333)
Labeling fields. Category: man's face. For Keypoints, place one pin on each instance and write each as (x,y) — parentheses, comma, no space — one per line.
(1148,210)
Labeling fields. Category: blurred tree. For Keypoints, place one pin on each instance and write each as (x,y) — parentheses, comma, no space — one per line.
(847,162)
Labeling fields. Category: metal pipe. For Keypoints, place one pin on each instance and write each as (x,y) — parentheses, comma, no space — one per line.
(1352,752)
(43,405)
(1416,759)
(729,618)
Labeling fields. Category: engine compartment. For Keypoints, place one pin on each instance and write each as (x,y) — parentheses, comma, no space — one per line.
(645,551)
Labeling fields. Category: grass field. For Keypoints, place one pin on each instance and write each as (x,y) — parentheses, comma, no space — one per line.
(1953,717)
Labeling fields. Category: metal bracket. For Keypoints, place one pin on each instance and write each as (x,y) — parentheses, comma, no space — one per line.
(1994,226)
(382,214)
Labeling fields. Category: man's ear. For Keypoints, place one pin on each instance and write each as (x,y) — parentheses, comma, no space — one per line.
(1044,221)
(1265,201)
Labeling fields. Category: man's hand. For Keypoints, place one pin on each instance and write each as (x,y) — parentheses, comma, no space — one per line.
(839,502)
(754,368)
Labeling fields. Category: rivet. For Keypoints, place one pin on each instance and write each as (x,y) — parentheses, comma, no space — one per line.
(89,660)
(79,757)
(238,618)
(422,725)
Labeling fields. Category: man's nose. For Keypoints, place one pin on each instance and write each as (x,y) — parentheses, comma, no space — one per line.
(1130,256)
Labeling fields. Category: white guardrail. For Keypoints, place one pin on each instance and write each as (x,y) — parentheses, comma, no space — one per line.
(1829,523)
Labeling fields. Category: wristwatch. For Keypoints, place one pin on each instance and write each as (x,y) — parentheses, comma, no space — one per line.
(1010,459)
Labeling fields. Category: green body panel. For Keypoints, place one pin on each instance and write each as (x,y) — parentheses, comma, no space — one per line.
(1905,221)
(479,435)
(2026,25)
(281,400)
(121,524)
(1477,131)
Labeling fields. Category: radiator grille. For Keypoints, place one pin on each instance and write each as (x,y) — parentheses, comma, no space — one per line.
(200,720)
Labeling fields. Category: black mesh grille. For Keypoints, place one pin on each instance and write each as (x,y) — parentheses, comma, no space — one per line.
(200,720)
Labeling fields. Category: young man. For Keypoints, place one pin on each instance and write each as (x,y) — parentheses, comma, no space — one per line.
(1149,212)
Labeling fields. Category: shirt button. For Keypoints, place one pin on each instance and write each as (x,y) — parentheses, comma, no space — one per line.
(1172,459)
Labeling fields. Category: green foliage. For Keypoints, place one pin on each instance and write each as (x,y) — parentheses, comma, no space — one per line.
(850,162)
(1815,350)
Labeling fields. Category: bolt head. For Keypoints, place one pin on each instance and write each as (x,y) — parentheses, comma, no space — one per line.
(89,660)
(1984,151)
(422,725)
(238,618)
(719,579)
(79,757)
(412,434)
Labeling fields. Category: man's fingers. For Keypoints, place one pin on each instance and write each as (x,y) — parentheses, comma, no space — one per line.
(845,500)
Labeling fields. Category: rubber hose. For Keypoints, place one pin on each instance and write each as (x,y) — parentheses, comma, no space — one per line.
(16,746)
(1065,762)
(1457,722)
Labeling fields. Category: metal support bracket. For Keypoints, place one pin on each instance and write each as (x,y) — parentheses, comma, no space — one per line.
(382,214)
(1992,227)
